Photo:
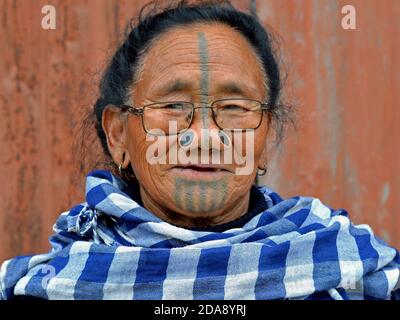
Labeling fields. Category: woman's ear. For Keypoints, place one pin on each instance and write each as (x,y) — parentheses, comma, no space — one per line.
(262,162)
(115,130)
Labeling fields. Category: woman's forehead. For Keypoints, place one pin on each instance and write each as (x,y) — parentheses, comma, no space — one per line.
(190,56)
(192,43)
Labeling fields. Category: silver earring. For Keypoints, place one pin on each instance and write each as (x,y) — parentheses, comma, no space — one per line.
(120,164)
(262,171)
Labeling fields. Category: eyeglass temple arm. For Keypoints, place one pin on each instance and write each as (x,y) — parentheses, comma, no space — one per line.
(265,106)
(131,109)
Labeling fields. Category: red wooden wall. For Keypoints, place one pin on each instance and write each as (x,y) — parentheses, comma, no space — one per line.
(345,84)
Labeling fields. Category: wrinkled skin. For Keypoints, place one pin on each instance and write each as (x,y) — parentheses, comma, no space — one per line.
(206,57)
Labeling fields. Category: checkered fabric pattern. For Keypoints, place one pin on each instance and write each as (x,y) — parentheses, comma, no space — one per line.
(109,247)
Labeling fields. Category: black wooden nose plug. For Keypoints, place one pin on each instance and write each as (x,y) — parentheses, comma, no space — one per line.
(186,138)
(224,138)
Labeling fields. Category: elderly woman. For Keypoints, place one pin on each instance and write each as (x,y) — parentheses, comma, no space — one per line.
(185,109)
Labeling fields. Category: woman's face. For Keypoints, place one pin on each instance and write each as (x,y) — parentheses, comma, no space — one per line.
(199,64)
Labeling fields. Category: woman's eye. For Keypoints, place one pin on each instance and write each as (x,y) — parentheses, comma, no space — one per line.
(174,106)
(233,107)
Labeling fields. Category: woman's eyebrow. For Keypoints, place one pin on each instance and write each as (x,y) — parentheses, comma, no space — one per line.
(176,86)
(229,87)
(235,88)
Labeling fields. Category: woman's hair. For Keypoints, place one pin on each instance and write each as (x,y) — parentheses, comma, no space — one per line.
(124,66)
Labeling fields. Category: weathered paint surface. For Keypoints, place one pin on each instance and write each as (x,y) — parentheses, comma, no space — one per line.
(344,82)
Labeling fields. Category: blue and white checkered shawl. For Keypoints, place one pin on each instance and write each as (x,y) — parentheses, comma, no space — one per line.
(109,247)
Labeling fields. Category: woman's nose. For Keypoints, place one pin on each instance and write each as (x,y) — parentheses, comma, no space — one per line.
(208,134)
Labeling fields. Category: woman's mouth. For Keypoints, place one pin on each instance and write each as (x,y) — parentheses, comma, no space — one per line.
(200,171)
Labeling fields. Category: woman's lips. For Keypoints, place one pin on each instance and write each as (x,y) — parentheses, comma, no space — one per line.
(200,171)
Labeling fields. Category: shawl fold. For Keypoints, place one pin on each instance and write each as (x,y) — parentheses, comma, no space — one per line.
(110,247)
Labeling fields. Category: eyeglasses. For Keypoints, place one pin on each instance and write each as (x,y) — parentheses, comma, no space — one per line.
(228,114)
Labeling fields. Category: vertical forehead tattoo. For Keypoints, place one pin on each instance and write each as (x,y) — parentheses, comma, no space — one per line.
(204,76)
(200,195)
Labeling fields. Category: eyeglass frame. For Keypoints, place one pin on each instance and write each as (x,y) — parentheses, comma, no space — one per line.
(137,111)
